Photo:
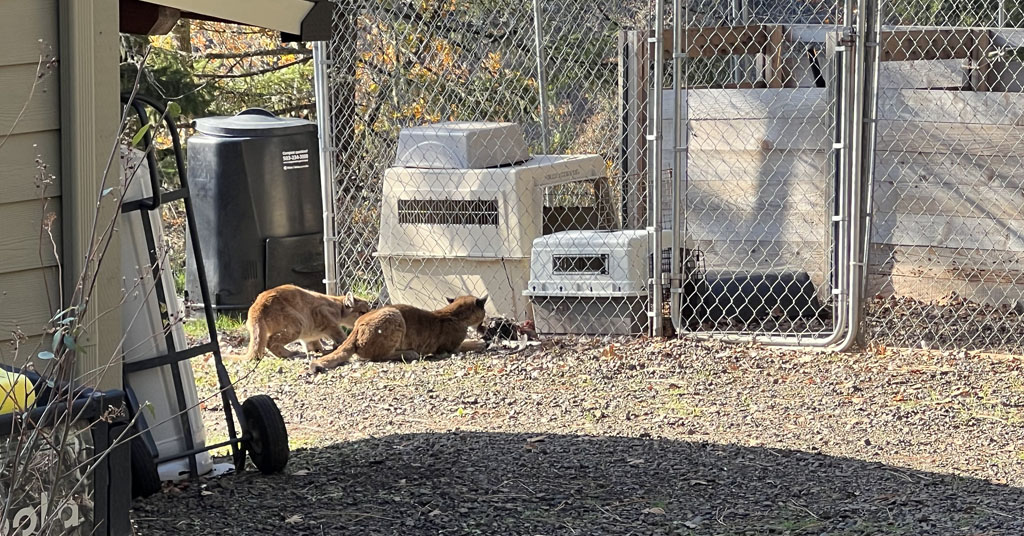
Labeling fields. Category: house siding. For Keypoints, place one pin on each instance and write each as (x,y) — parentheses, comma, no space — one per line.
(30,162)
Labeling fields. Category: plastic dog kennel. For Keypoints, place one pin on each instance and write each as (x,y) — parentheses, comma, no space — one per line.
(446,232)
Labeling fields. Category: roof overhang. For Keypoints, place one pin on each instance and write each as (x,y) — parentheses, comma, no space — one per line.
(297,20)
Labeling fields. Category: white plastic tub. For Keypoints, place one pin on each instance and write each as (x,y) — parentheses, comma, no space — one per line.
(140,319)
(461,145)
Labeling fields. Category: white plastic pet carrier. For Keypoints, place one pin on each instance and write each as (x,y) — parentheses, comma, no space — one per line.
(447,232)
(592,281)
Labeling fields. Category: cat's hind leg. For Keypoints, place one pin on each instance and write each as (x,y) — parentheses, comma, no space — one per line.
(281,338)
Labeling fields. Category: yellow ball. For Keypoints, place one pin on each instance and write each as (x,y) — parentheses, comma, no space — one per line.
(15,392)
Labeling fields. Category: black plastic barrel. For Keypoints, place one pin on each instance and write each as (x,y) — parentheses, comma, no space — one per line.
(748,295)
(255,185)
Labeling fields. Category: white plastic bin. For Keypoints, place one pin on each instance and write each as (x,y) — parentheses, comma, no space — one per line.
(144,338)
(461,145)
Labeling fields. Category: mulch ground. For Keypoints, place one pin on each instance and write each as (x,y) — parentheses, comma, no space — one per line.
(607,436)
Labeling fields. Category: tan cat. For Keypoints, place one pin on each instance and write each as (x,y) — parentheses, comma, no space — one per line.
(406,332)
(288,313)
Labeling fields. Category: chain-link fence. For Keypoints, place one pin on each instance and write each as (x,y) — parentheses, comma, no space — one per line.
(507,147)
(948,209)
(470,139)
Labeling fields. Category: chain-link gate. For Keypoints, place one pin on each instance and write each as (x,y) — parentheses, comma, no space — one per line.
(756,96)
(947,240)
(761,205)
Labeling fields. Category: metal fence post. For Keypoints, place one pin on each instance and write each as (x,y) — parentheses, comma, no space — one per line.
(323,120)
(679,32)
(654,164)
(542,79)
(871,14)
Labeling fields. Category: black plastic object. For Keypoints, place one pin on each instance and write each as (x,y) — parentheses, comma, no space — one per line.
(145,475)
(100,417)
(255,183)
(746,295)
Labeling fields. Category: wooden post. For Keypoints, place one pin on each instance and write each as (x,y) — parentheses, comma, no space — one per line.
(773,51)
(90,113)
(633,78)
(981,67)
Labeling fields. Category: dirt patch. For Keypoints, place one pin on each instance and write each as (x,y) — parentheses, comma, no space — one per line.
(596,435)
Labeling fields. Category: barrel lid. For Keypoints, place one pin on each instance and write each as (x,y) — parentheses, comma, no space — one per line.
(252,123)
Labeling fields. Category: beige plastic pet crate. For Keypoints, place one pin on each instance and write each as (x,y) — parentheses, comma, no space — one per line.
(447,232)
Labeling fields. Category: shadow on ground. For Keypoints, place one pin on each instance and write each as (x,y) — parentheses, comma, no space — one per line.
(515,484)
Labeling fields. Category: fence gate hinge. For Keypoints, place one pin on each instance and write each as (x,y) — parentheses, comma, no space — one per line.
(668,280)
(848,36)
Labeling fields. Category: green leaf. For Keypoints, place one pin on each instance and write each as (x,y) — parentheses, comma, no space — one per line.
(63,312)
(173,110)
(149,407)
(142,132)
(69,341)
(106,191)
(50,383)
(56,341)
(68,320)
(45,355)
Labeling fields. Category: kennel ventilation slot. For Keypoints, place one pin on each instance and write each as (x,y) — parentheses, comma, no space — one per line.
(580,264)
(448,211)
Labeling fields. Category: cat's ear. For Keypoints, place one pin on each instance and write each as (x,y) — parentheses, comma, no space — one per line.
(350,300)
(480,302)
(450,300)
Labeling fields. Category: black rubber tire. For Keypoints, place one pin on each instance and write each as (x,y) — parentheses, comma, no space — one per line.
(145,477)
(268,437)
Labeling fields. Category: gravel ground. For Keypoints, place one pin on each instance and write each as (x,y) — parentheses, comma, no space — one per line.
(606,436)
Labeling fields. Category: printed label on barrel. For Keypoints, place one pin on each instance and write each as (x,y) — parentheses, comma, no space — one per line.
(297,159)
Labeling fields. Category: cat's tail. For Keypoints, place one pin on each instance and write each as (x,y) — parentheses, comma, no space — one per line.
(258,338)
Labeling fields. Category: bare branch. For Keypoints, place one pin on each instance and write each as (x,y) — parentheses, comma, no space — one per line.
(256,73)
(257,53)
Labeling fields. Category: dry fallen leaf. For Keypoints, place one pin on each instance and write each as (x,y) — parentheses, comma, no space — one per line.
(654,510)
(293,520)
(301,472)
(536,439)
(205,493)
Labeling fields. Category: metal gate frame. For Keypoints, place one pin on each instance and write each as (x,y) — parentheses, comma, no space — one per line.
(857,46)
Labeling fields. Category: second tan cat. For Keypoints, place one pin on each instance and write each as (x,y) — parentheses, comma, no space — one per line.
(406,332)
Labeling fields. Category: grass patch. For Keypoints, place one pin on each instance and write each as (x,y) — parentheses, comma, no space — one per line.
(226,323)
(179,282)
(365,288)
